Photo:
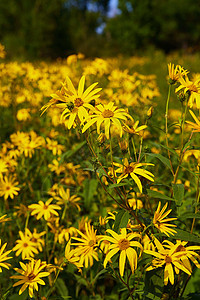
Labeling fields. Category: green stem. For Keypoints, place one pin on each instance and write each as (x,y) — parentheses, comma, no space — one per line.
(166,128)
(64,212)
(197,202)
(111,156)
(141,143)
(122,206)
(183,123)
(27,219)
(47,244)
(52,288)
(134,149)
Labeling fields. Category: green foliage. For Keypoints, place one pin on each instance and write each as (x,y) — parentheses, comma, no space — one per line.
(167,25)
(90,189)
(121,220)
(49,29)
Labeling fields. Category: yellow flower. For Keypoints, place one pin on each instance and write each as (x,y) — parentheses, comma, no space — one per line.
(29,145)
(195,127)
(4,257)
(69,255)
(25,246)
(71,59)
(2,51)
(193,88)
(30,276)
(3,167)
(148,243)
(35,237)
(134,202)
(168,258)
(56,167)
(105,246)
(134,129)
(75,103)
(66,233)
(21,210)
(23,114)
(86,249)
(175,73)
(8,187)
(19,138)
(54,146)
(107,114)
(65,198)
(133,169)
(122,242)
(44,209)
(160,222)
(189,253)
(4,219)
(195,154)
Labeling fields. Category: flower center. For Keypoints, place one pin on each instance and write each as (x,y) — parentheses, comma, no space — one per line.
(123,244)
(34,240)
(45,206)
(128,170)
(193,88)
(78,102)
(25,245)
(106,242)
(168,259)
(7,188)
(180,248)
(107,113)
(31,276)
(91,243)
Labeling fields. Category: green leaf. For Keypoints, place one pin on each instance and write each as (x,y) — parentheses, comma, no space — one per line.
(154,284)
(167,148)
(121,220)
(178,190)
(90,187)
(47,183)
(187,144)
(23,296)
(72,151)
(151,296)
(62,288)
(193,173)
(186,236)
(155,194)
(98,275)
(112,186)
(163,159)
(189,215)
(192,288)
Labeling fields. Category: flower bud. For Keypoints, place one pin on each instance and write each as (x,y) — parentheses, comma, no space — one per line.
(150,112)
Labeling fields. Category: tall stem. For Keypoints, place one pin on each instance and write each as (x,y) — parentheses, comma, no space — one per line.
(197,202)
(183,124)
(166,128)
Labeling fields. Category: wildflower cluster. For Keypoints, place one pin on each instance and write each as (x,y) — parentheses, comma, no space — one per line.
(91,189)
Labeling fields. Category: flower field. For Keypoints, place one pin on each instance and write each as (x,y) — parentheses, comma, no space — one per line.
(99,179)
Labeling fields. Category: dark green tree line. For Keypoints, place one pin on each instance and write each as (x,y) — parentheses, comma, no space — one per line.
(41,28)
(164,24)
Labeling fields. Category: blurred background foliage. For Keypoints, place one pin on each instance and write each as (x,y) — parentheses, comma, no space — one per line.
(56,28)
